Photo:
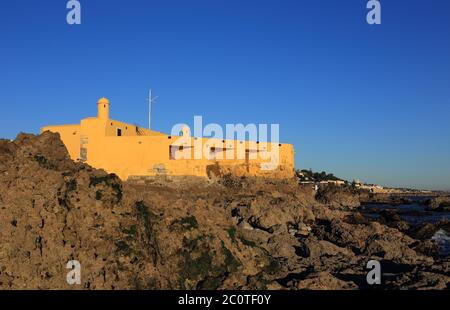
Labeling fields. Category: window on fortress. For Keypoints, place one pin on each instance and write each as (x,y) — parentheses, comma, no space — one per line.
(119,132)
(212,153)
(173,150)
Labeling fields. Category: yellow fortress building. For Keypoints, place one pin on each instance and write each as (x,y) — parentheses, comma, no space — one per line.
(131,151)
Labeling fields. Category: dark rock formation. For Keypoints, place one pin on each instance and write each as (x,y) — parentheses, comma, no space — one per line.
(441,203)
(339,197)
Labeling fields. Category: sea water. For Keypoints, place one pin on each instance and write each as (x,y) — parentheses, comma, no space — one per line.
(415,214)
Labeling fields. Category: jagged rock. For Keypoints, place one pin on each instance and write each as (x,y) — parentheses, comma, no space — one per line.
(439,204)
(51,213)
(324,281)
(338,197)
(424,231)
(187,233)
(356,218)
(390,249)
(427,247)
(422,280)
(392,219)
(384,198)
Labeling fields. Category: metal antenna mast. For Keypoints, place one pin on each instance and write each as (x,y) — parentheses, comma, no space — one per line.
(150,101)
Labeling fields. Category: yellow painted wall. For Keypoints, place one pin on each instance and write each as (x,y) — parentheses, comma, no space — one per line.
(127,129)
(142,152)
(70,135)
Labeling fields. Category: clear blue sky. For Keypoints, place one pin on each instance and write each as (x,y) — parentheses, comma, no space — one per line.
(368,102)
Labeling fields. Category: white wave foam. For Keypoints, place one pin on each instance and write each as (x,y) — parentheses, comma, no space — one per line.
(441,237)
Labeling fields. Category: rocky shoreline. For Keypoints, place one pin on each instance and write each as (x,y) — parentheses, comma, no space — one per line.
(190,233)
